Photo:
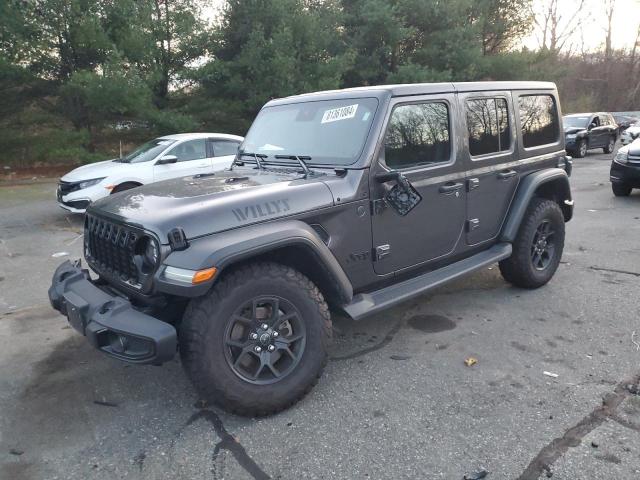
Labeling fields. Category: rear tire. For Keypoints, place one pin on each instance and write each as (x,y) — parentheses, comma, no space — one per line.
(620,190)
(538,246)
(610,146)
(234,362)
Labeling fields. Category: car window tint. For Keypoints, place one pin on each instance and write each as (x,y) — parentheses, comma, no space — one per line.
(224,147)
(190,150)
(538,120)
(488,126)
(418,134)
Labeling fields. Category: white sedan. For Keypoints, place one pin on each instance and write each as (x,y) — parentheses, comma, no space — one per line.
(630,134)
(166,157)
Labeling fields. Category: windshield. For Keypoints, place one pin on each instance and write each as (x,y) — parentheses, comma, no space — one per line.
(331,132)
(148,151)
(575,122)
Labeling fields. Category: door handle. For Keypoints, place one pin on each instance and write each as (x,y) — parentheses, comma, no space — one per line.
(507,174)
(450,188)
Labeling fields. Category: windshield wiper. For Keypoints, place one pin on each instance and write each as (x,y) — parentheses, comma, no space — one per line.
(301,160)
(256,156)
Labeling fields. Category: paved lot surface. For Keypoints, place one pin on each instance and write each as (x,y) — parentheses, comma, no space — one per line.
(396,401)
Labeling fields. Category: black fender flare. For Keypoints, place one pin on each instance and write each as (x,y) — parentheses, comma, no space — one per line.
(224,249)
(529,186)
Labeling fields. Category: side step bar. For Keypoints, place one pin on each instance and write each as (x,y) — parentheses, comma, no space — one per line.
(365,304)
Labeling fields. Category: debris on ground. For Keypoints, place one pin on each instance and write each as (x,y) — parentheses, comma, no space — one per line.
(632,388)
(594,444)
(15,451)
(104,403)
(476,475)
(550,374)
(470,362)
(634,342)
(400,357)
(60,254)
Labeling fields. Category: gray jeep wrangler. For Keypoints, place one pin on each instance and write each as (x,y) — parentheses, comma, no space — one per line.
(354,199)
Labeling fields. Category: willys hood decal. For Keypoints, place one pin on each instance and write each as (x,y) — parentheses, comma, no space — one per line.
(210,204)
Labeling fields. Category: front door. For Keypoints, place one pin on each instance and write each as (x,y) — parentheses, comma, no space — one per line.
(192,159)
(424,219)
(493,175)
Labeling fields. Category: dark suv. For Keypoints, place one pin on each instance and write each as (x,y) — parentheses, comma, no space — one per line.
(356,200)
(625,170)
(586,131)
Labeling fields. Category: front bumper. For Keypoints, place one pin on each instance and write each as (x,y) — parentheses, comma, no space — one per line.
(79,200)
(625,174)
(110,323)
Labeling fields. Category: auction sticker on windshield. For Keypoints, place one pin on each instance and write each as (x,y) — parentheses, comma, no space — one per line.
(342,113)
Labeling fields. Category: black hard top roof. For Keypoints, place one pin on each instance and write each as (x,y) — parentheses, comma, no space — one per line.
(416,89)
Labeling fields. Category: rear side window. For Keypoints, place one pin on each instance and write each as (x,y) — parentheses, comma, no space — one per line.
(222,148)
(488,126)
(539,120)
(418,134)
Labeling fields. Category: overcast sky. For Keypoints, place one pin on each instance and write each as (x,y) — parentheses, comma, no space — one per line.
(590,34)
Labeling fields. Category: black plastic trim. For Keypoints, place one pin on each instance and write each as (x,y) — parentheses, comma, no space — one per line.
(101,316)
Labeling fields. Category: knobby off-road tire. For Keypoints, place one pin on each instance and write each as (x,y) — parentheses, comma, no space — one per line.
(620,190)
(538,246)
(266,305)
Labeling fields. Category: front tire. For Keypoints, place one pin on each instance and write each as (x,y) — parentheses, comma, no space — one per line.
(581,150)
(124,186)
(257,342)
(620,190)
(610,146)
(538,246)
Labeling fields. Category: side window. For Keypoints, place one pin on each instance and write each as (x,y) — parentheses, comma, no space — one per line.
(190,150)
(539,120)
(418,134)
(488,126)
(224,147)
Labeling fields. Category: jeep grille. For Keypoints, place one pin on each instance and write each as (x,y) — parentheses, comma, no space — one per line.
(110,249)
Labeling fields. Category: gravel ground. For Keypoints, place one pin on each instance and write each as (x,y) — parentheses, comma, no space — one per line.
(396,400)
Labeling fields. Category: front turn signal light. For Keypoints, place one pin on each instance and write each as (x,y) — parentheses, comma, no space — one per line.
(204,275)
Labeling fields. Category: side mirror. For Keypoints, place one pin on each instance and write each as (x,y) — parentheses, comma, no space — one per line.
(387,176)
(167,159)
(593,125)
(398,177)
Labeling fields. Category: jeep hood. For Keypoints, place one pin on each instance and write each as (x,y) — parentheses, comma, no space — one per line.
(214,203)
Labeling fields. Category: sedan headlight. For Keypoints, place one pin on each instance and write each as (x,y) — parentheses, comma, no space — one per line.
(90,183)
(621,157)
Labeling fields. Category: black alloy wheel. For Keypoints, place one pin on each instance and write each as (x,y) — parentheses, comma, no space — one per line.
(265,340)
(543,246)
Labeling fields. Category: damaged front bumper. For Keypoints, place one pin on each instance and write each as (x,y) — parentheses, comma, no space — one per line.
(110,323)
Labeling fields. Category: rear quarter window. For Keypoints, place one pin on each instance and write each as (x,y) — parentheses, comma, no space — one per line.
(538,120)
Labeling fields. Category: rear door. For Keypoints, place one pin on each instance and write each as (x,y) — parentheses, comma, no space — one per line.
(192,158)
(419,143)
(223,152)
(490,152)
